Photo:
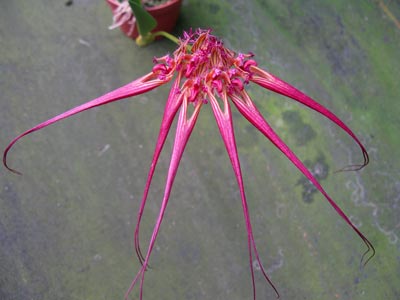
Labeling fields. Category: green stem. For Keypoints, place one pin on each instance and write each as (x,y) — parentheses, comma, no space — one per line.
(166,35)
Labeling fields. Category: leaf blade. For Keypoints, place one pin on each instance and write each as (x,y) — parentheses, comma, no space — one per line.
(145,22)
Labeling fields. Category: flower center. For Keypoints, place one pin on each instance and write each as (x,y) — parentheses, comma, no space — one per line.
(205,63)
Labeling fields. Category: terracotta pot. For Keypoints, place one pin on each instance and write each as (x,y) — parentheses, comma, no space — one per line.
(165,14)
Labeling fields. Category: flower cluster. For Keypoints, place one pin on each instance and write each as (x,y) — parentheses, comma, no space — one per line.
(123,14)
(203,72)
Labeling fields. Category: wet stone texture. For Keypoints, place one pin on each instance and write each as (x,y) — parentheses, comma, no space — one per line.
(66,225)
(319,169)
(300,130)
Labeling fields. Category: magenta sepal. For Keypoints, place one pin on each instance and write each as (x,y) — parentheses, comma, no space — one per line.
(136,87)
(183,130)
(248,109)
(275,84)
(223,118)
(173,103)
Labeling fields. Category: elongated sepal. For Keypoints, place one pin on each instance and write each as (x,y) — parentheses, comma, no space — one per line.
(184,129)
(137,87)
(248,109)
(275,84)
(223,116)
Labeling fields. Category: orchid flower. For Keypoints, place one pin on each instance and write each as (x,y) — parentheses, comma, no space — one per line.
(204,71)
(132,14)
(123,14)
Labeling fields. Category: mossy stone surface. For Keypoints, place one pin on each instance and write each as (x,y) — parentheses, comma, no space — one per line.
(66,225)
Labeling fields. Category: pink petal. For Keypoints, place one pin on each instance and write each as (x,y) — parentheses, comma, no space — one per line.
(137,87)
(248,109)
(173,103)
(183,131)
(224,122)
(273,83)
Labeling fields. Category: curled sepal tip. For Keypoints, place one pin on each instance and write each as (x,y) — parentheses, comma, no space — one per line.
(136,87)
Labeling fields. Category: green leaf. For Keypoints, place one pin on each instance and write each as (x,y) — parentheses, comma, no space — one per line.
(144,21)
